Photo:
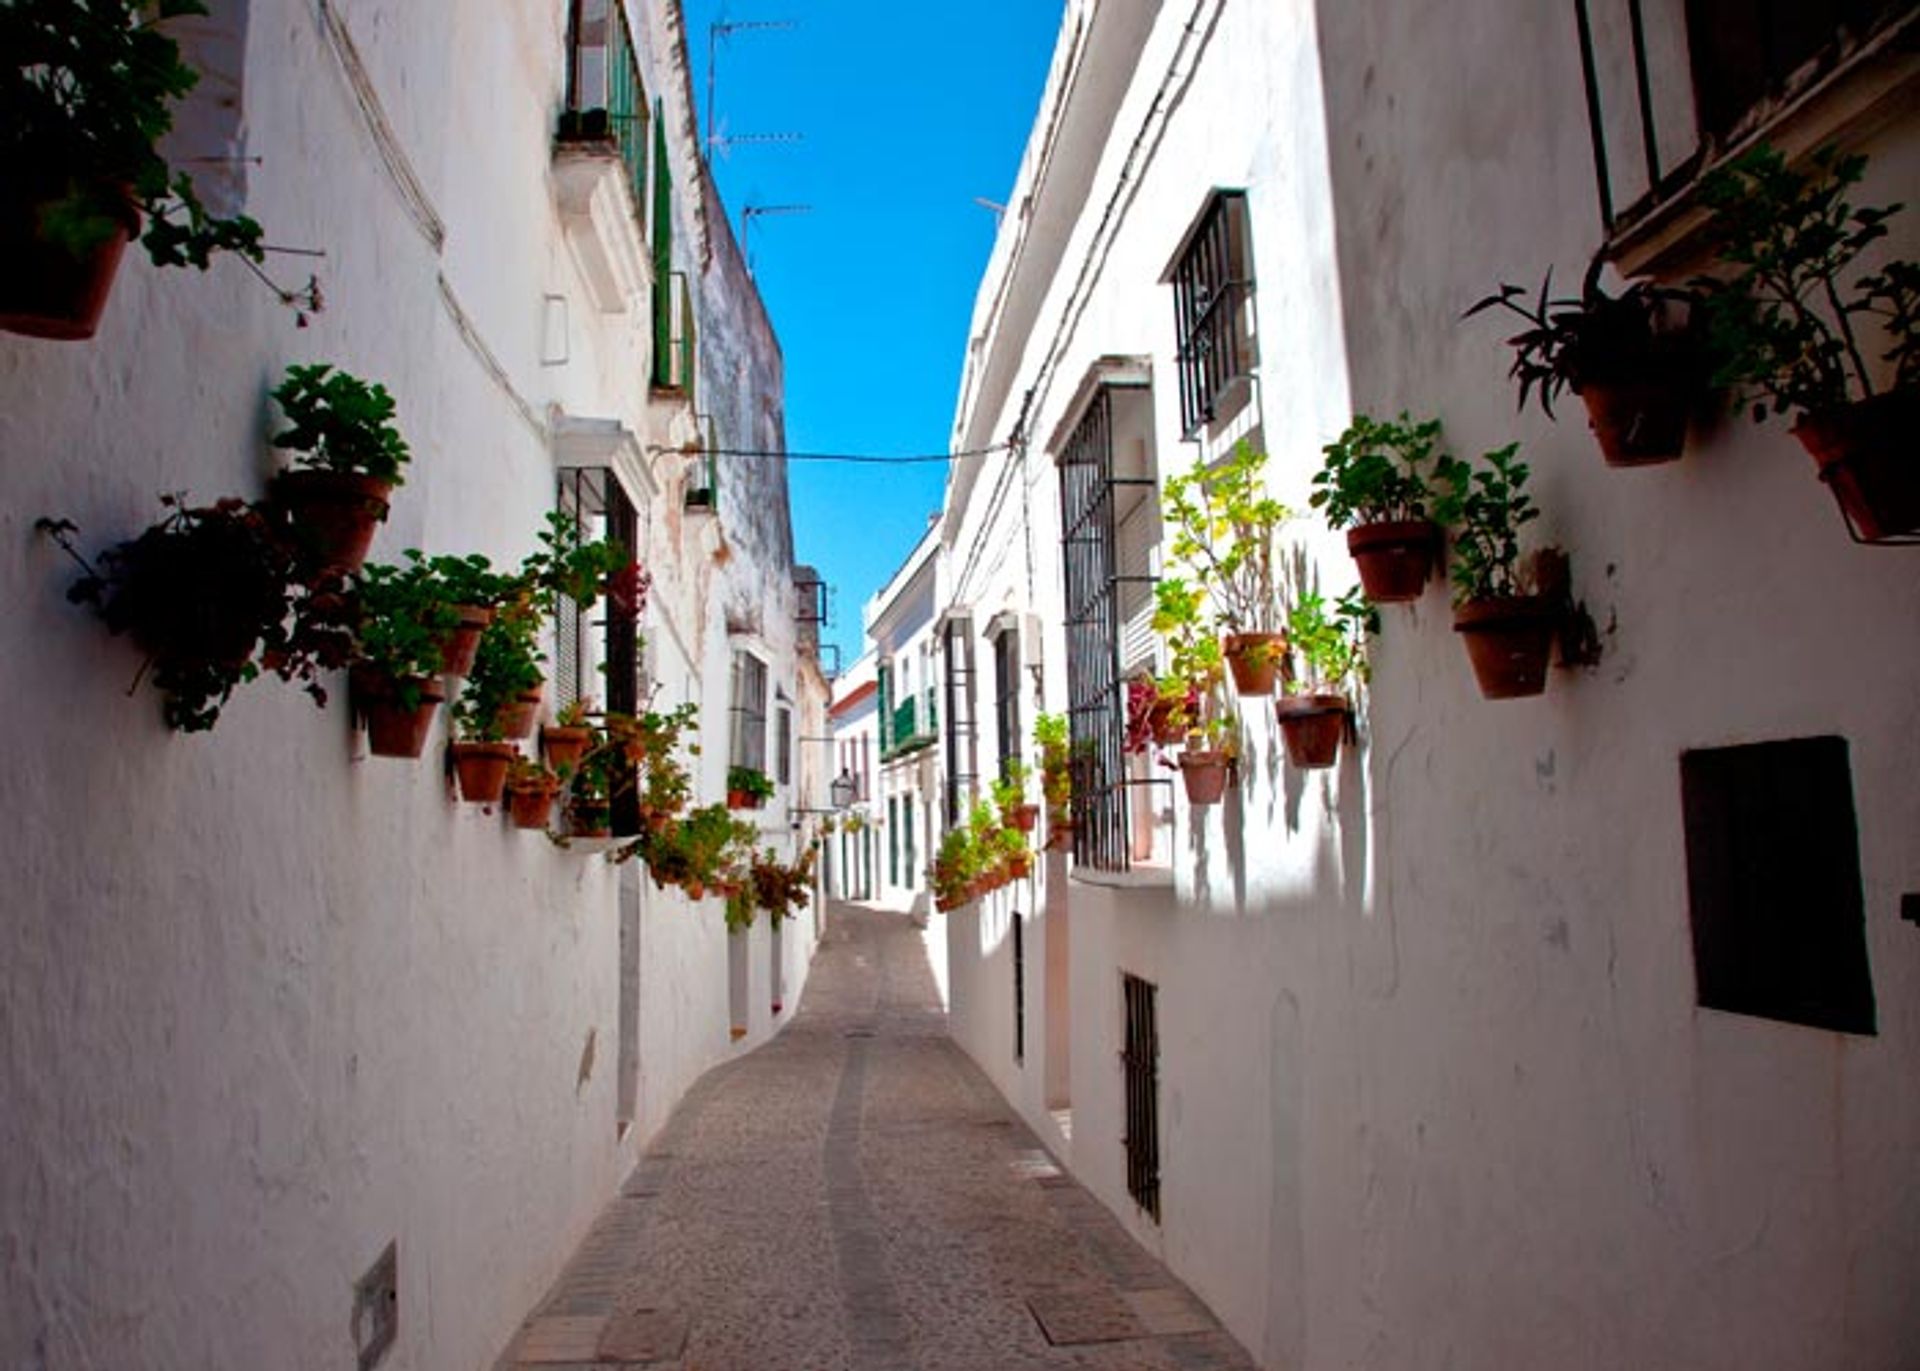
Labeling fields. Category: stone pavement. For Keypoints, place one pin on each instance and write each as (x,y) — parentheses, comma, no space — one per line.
(855,1196)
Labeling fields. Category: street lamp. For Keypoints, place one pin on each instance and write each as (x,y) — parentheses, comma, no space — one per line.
(843,789)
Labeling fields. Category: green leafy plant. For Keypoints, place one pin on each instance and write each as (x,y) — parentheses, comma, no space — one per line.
(340,423)
(401,623)
(572,567)
(506,665)
(469,580)
(1010,791)
(782,889)
(1789,335)
(1180,617)
(1056,769)
(1379,472)
(650,746)
(85,96)
(749,781)
(954,868)
(1331,643)
(696,852)
(1222,522)
(209,594)
(1646,331)
(1487,506)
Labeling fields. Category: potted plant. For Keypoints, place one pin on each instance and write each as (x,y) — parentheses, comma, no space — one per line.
(566,738)
(349,458)
(531,789)
(983,825)
(85,96)
(1375,482)
(1330,646)
(1012,852)
(507,668)
(694,852)
(207,593)
(1507,623)
(1206,762)
(952,871)
(665,783)
(401,627)
(589,790)
(747,787)
(1010,793)
(1223,522)
(475,590)
(1056,777)
(1791,336)
(1637,360)
(1194,654)
(569,566)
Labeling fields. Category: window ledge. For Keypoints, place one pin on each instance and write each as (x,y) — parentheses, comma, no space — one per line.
(601,222)
(1141,876)
(1849,104)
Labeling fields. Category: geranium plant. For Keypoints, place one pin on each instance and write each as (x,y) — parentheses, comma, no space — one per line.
(341,424)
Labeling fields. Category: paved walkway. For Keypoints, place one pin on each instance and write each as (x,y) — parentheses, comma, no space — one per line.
(855,1196)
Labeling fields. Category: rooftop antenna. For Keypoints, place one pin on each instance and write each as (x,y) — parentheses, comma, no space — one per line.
(999,210)
(717,30)
(752,212)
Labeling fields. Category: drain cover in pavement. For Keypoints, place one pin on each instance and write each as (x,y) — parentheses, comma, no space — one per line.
(1084,1315)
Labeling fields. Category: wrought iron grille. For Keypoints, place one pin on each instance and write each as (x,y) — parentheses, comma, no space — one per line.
(1210,283)
(1019,987)
(956,645)
(1096,715)
(1006,695)
(1140,1065)
(599,504)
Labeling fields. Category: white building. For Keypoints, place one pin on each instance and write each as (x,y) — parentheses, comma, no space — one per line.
(1406,1064)
(855,728)
(272,1008)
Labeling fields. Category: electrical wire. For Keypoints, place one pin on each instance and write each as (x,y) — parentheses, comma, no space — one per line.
(866,458)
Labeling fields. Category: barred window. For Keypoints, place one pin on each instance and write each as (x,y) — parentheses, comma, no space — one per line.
(748,746)
(1212,279)
(1006,693)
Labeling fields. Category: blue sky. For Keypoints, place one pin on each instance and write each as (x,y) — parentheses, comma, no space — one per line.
(907,112)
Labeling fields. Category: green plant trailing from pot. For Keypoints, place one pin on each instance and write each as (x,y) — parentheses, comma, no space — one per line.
(954,868)
(1010,794)
(696,852)
(1329,646)
(1054,756)
(1377,482)
(1793,337)
(983,826)
(1637,360)
(1506,619)
(1194,663)
(1223,522)
(782,889)
(476,591)
(748,787)
(349,457)
(85,97)
(572,568)
(401,625)
(208,594)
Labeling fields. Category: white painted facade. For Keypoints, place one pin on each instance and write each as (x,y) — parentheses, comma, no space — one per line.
(269,1004)
(854,717)
(1434,1089)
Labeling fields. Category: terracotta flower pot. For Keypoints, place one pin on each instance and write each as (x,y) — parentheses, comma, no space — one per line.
(1312,726)
(1059,835)
(516,720)
(1025,817)
(1254,660)
(333,514)
(1167,721)
(590,818)
(565,745)
(1869,456)
(529,805)
(482,770)
(1205,774)
(1020,867)
(1639,423)
(1394,559)
(457,653)
(744,799)
(47,291)
(1509,640)
(394,729)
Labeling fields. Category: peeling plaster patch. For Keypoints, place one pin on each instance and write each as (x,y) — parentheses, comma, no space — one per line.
(1559,935)
(586,1061)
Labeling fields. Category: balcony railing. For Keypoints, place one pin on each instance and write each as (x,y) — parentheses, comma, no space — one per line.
(605,99)
(675,337)
(913,725)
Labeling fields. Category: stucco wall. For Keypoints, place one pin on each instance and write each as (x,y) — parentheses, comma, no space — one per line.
(1434,1088)
(268,1003)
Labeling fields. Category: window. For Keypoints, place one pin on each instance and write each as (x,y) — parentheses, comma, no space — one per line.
(783,746)
(1006,692)
(1773,883)
(1212,279)
(910,869)
(599,658)
(748,745)
(1140,1067)
(956,643)
(1745,52)
(604,95)
(893,840)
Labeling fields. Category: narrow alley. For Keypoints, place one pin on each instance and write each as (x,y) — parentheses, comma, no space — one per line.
(855,1194)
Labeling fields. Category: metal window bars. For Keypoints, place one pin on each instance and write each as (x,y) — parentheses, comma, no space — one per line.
(1210,283)
(1140,1070)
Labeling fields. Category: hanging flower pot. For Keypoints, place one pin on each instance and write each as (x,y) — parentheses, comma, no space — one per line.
(1205,775)
(587,818)
(1024,817)
(1059,835)
(529,803)
(1867,456)
(1394,558)
(46,289)
(1312,726)
(1640,423)
(1254,660)
(565,744)
(516,719)
(399,714)
(1509,640)
(482,770)
(458,651)
(1020,866)
(332,514)
(1167,720)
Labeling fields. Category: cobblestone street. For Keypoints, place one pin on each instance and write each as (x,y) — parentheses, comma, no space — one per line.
(856,1195)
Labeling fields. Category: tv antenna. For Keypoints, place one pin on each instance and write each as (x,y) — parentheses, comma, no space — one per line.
(999,210)
(752,212)
(721,28)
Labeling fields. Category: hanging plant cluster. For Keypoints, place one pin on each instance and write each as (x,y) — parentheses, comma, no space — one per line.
(989,851)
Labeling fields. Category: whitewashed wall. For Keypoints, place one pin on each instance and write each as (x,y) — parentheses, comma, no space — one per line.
(269,1004)
(1434,1090)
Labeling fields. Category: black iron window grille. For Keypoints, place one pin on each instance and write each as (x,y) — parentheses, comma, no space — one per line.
(1140,1066)
(1019,987)
(1006,696)
(956,650)
(1744,58)
(607,647)
(1096,706)
(748,746)
(1212,285)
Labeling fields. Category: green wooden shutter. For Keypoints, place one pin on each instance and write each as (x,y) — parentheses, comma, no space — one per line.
(662,253)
